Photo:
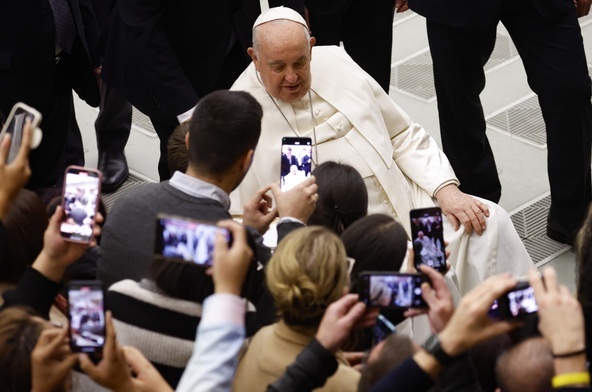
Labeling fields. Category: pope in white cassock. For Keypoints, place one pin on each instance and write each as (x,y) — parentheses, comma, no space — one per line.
(323,94)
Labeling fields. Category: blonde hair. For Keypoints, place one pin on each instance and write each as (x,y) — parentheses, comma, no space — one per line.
(307,272)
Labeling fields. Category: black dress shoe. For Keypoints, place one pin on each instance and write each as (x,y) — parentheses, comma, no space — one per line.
(560,233)
(113,165)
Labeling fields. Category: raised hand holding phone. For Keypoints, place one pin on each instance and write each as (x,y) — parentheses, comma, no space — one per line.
(231,263)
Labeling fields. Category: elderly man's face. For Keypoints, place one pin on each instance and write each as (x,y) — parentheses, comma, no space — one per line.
(283,60)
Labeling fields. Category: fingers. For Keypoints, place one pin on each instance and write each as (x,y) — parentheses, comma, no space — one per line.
(345,303)
(454,221)
(239,234)
(56,218)
(354,313)
(25,142)
(136,360)
(111,341)
(4,147)
(415,312)
(483,207)
(87,366)
(550,277)
(536,282)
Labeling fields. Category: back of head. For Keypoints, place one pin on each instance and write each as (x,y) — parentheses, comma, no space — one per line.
(26,222)
(393,351)
(343,197)
(178,156)
(526,367)
(376,243)
(307,272)
(19,332)
(224,127)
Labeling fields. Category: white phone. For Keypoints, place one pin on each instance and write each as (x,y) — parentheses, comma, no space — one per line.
(14,126)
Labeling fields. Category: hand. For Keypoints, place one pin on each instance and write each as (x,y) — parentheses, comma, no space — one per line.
(462,208)
(14,176)
(51,360)
(401,5)
(299,202)
(583,7)
(438,298)
(470,323)
(147,378)
(112,372)
(97,72)
(230,265)
(561,320)
(57,253)
(258,212)
(340,318)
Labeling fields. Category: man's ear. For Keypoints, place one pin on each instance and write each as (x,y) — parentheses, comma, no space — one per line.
(187,141)
(251,52)
(313,41)
(247,160)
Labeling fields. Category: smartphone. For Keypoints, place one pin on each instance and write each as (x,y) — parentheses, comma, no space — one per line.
(517,303)
(392,289)
(427,236)
(87,316)
(382,329)
(186,239)
(296,161)
(15,124)
(80,199)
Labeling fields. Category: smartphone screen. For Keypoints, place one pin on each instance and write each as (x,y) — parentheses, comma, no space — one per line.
(518,302)
(427,236)
(80,201)
(296,161)
(14,126)
(392,290)
(186,239)
(87,316)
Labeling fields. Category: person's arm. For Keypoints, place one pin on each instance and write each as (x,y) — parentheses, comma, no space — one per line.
(221,332)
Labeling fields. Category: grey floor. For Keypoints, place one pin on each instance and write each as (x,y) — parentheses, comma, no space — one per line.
(517,139)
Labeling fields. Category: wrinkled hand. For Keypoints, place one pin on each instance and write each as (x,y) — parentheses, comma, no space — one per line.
(340,318)
(231,264)
(299,202)
(57,253)
(51,360)
(438,298)
(461,208)
(112,372)
(583,7)
(14,176)
(561,320)
(401,5)
(147,378)
(470,323)
(259,212)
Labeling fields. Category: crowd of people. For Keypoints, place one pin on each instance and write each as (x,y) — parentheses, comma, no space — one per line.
(297,316)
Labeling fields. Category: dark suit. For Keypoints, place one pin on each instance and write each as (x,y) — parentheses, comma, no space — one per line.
(364,26)
(548,38)
(164,55)
(29,73)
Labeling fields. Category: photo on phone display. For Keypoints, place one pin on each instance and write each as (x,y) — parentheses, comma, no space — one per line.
(186,239)
(80,202)
(427,236)
(296,161)
(87,316)
(14,125)
(519,302)
(392,290)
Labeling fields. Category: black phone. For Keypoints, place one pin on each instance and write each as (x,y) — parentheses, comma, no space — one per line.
(185,239)
(427,236)
(516,303)
(296,161)
(392,289)
(14,124)
(87,316)
(80,200)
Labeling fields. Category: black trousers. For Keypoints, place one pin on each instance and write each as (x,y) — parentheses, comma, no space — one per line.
(555,63)
(114,121)
(364,26)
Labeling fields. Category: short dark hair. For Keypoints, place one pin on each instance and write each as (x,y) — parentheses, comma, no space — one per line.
(343,197)
(526,367)
(178,156)
(377,243)
(225,125)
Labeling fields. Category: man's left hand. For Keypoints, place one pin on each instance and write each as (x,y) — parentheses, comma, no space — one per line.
(259,212)
(461,208)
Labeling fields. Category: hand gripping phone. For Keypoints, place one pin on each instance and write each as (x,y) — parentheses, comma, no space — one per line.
(15,124)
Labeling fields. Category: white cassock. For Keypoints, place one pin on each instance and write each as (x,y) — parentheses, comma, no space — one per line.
(357,123)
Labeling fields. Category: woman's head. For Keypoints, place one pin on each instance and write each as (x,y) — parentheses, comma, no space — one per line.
(376,243)
(307,272)
(343,197)
(19,332)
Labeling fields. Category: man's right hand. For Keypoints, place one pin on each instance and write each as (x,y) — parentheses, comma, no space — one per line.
(299,202)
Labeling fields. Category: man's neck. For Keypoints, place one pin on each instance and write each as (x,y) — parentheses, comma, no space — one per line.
(221,182)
